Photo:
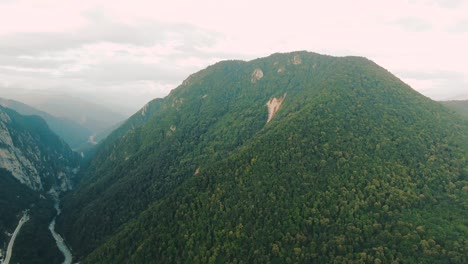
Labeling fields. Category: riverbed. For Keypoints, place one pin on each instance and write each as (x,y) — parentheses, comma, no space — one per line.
(59,240)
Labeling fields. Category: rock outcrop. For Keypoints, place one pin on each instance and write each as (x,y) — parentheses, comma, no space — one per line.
(257,74)
(274,105)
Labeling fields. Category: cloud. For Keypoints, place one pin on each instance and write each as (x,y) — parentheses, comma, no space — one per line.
(32,62)
(460,26)
(427,75)
(138,50)
(439,85)
(450,3)
(414,24)
(114,71)
(112,55)
(145,34)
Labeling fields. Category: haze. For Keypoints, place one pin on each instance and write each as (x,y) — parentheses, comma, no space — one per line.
(124,53)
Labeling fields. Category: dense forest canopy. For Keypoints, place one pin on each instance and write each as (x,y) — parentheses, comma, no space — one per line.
(353,166)
(459,106)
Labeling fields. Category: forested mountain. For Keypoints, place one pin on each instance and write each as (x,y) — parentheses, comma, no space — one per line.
(73,133)
(35,164)
(296,157)
(459,106)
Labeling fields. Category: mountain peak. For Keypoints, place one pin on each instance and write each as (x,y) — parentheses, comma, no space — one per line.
(296,157)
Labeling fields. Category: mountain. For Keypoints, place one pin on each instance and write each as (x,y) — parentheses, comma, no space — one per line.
(34,244)
(35,166)
(93,117)
(33,154)
(295,157)
(14,198)
(459,106)
(73,133)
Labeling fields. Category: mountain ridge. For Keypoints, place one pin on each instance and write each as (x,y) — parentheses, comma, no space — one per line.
(92,116)
(459,106)
(73,133)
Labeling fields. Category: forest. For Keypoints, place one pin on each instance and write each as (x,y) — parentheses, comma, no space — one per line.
(354,167)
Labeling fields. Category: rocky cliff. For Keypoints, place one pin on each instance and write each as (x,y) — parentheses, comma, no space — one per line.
(33,154)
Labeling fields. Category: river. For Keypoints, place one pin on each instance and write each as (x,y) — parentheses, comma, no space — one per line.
(23,220)
(59,240)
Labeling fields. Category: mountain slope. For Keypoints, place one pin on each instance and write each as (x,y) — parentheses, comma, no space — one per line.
(73,133)
(14,198)
(291,158)
(34,244)
(33,154)
(460,106)
(35,166)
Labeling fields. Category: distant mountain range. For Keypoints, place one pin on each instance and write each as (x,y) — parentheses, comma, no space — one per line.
(90,115)
(79,123)
(292,158)
(72,132)
(459,106)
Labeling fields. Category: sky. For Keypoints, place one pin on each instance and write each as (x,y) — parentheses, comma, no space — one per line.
(124,53)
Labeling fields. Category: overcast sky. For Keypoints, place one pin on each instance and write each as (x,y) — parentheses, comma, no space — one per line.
(129,52)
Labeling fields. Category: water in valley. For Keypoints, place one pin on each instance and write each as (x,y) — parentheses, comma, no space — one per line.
(59,240)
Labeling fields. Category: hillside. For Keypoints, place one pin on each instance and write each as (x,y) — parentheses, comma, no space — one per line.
(35,166)
(459,106)
(33,154)
(296,157)
(73,133)
(14,198)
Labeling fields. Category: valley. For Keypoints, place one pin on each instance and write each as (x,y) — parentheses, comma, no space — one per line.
(36,167)
(292,158)
(9,250)
(141,132)
(60,243)
(58,239)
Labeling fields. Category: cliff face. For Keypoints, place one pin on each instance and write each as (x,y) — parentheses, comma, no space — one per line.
(33,154)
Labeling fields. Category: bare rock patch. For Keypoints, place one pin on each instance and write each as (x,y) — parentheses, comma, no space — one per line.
(297,60)
(274,105)
(257,74)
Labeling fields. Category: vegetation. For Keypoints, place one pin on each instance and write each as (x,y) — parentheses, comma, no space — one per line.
(459,106)
(53,160)
(14,198)
(356,166)
(34,244)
